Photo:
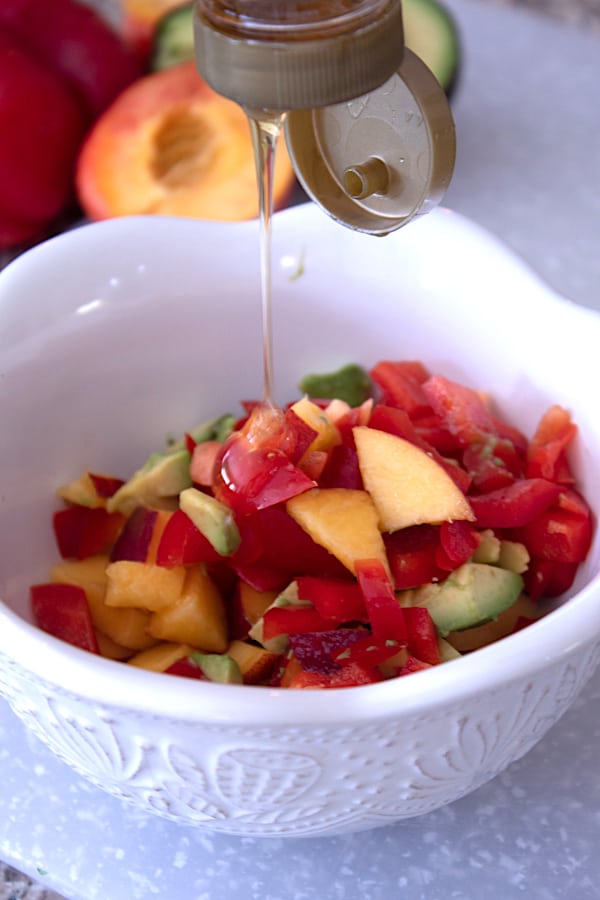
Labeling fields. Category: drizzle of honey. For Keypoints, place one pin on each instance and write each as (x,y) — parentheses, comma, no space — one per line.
(265,129)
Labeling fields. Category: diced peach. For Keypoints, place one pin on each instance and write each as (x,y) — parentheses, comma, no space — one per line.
(110,649)
(407,486)
(126,627)
(198,617)
(313,415)
(143,586)
(254,603)
(162,517)
(343,521)
(161,657)
(170,145)
(256,664)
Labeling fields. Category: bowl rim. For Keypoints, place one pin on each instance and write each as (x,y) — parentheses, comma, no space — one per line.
(561,633)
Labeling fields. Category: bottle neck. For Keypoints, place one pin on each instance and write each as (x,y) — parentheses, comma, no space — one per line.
(286,58)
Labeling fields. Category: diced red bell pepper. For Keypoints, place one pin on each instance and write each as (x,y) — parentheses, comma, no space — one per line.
(342,469)
(340,601)
(515,505)
(431,429)
(546,454)
(81,531)
(357,415)
(413,665)
(458,542)
(545,578)
(400,387)
(558,535)
(385,613)
(412,557)
(352,675)
(249,479)
(186,668)
(286,547)
(105,485)
(260,576)
(489,471)
(182,544)
(461,409)
(422,635)
(62,610)
(313,463)
(292,620)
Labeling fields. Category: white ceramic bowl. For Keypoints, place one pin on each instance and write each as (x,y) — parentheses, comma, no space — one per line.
(118,333)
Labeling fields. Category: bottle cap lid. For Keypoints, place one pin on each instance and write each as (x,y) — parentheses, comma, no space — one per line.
(376,162)
(300,56)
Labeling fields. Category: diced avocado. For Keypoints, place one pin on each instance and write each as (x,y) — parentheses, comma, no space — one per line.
(513,556)
(471,595)
(173,38)
(489,548)
(214,519)
(350,383)
(219,667)
(162,477)
(217,429)
(431,32)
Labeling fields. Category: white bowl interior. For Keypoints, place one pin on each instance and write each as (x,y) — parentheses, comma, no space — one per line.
(118,334)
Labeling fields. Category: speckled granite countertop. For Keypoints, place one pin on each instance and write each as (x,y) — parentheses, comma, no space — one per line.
(585,15)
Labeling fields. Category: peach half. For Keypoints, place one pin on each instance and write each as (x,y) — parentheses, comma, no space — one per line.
(170,145)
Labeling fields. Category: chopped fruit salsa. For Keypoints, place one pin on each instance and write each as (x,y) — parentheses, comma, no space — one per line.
(386,522)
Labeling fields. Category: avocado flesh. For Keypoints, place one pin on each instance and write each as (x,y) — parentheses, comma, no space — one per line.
(162,477)
(219,667)
(213,518)
(470,596)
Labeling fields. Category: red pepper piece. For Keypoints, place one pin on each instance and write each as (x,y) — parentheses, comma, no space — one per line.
(461,409)
(352,675)
(545,578)
(340,601)
(292,620)
(400,387)
(81,531)
(105,485)
(515,505)
(489,471)
(412,556)
(431,430)
(385,613)
(342,469)
(458,542)
(182,544)
(558,535)
(412,665)
(422,635)
(285,546)
(250,479)
(260,577)
(62,610)
(186,668)
(546,454)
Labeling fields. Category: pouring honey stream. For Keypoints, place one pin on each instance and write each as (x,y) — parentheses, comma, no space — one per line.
(368,127)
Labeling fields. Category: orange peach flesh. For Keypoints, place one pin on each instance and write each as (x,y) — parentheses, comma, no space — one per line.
(170,145)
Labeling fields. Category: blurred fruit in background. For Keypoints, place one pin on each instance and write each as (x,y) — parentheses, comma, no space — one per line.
(170,145)
(61,65)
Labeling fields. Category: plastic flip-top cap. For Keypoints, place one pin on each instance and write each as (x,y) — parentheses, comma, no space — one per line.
(298,64)
(375,162)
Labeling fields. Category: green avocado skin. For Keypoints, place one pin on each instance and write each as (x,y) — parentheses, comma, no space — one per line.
(472,595)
